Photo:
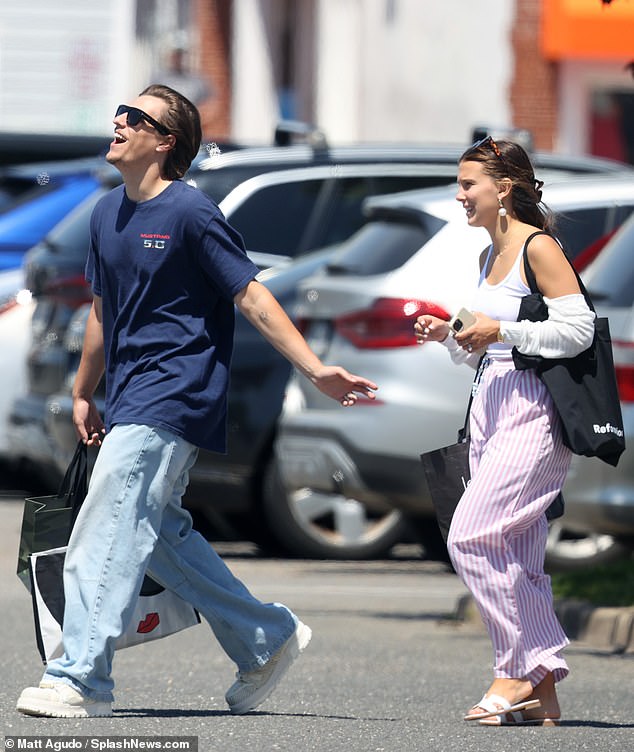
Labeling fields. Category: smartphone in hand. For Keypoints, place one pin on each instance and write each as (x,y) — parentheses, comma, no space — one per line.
(462,320)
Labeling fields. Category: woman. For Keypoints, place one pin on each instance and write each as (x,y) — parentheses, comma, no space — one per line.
(518,460)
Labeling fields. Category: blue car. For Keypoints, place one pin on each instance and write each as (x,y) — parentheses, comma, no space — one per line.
(35,197)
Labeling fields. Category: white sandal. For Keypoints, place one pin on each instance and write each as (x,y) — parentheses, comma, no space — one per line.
(496,705)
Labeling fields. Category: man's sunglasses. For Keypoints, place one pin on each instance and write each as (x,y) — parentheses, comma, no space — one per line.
(135,115)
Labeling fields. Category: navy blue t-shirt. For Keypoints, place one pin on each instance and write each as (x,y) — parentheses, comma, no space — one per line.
(167,271)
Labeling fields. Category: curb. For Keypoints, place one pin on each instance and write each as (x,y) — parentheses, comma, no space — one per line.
(609,630)
(606,629)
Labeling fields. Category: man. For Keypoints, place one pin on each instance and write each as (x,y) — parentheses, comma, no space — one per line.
(166,270)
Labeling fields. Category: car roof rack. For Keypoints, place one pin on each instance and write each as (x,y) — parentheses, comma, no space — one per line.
(521,136)
(288,132)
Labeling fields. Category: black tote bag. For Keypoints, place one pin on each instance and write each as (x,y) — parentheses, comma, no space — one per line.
(447,474)
(583,388)
(47,521)
(447,469)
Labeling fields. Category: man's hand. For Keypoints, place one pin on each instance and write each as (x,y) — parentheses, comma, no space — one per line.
(87,421)
(259,306)
(343,386)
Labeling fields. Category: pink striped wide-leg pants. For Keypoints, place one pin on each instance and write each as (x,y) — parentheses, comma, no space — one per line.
(498,534)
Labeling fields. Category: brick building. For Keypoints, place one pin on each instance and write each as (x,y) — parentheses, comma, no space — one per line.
(421,70)
(362,70)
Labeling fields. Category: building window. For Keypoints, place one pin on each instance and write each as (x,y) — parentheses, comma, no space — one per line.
(612,125)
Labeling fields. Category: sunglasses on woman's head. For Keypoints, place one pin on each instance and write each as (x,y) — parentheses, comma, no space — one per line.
(489,141)
(135,115)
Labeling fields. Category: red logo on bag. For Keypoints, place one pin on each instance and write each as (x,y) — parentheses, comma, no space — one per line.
(148,624)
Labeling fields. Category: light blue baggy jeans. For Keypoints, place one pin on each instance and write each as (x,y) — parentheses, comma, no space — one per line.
(131,522)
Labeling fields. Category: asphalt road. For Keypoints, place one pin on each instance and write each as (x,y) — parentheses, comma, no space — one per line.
(385,671)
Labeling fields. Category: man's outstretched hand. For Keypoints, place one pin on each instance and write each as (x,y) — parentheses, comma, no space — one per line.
(343,386)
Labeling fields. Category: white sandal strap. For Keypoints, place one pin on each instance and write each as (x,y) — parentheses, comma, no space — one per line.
(493,703)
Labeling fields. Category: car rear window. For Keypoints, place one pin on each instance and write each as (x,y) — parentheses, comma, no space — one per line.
(610,280)
(274,219)
(580,228)
(218,183)
(384,244)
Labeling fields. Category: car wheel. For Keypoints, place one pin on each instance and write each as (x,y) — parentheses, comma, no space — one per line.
(314,524)
(567,551)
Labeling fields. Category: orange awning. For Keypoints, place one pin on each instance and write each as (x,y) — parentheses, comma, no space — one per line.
(573,29)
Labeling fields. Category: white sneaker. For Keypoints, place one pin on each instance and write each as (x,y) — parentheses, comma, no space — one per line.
(253,687)
(59,700)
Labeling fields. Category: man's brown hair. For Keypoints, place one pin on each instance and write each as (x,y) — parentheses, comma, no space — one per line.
(182,120)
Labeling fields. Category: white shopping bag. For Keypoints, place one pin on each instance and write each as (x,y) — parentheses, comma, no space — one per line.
(158,613)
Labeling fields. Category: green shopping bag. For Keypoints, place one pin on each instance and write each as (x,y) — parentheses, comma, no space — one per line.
(47,521)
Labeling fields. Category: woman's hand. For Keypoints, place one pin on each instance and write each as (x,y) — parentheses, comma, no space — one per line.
(484,332)
(481,334)
(430,329)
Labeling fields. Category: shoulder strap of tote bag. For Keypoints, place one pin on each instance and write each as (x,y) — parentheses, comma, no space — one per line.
(530,275)
(463,433)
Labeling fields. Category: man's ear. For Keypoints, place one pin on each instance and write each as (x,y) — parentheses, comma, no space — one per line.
(167,144)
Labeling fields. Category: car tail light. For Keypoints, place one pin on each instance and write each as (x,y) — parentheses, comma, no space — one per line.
(624,370)
(389,322)
(625,381)
(73,291)
(590,252)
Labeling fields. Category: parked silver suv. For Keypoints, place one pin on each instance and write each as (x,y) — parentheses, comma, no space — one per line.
(342,471)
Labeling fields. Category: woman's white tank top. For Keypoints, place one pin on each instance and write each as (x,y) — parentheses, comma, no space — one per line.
(501,301)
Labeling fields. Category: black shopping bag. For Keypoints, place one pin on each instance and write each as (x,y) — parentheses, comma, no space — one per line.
(158,612)
(447,468)
(47,521)
(447,473)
